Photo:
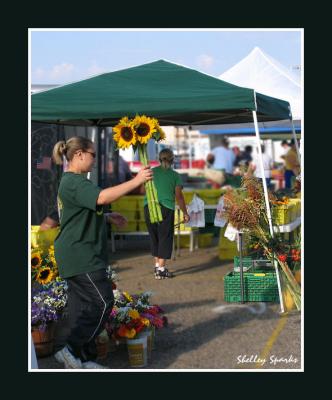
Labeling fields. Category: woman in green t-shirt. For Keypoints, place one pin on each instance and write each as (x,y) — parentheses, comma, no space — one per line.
(81,251)
(169,188)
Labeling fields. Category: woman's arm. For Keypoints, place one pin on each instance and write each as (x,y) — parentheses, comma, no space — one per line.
(180,200)
(109,195)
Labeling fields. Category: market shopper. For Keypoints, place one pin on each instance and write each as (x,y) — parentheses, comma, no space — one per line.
(169,188)
(292,165)
(224,157)
(255,166)
(81,252)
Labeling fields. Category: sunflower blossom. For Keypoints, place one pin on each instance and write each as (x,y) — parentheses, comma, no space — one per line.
(44,276)
(124,133)
(144,127)
(36,260)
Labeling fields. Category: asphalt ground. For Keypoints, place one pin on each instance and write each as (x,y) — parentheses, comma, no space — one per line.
(204,331)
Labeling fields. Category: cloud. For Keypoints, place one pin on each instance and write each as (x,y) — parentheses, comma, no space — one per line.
(205,61)
(61,71)
(95,69)
(39,73)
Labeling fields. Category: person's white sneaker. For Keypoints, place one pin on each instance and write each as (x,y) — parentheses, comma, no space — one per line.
(64,356)
(93,365)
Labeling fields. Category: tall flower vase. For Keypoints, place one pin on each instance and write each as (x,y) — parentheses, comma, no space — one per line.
(103,349)
(153,336)
(149,339)
(137,351)
(43,339)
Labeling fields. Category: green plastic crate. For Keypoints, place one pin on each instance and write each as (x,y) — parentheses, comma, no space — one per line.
(258,286)
(247,261)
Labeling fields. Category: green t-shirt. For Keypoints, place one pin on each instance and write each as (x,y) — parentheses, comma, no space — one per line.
(81,245)
(165,180)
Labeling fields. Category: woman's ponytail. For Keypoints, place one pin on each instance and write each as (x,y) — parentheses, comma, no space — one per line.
(59,151)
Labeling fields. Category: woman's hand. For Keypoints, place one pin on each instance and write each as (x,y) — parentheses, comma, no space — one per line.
(144,175)
(117,219)
(186,218)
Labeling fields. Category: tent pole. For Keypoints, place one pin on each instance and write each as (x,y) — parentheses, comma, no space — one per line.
(93,139)
(267,204)
(295,140)
(188,134)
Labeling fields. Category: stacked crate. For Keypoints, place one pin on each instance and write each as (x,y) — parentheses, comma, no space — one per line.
(128,207)
(258,286)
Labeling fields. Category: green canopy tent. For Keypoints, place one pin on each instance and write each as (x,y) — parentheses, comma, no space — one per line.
(173,94)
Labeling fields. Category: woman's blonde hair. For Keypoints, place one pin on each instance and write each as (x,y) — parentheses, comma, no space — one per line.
(68,148)
(166,158)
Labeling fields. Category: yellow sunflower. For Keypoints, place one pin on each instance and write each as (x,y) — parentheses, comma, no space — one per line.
(127,296)
(159,133)
(144,127)
(44,276)
(52,259)
(36,260)
(134,314)
(124,133)
(162,134)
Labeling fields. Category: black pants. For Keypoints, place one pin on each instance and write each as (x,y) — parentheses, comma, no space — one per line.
(162,233)
(90,301)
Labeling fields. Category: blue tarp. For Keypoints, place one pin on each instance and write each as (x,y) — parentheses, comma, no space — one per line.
(249,131)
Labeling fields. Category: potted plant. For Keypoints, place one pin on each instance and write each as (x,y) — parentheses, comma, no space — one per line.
(47,304)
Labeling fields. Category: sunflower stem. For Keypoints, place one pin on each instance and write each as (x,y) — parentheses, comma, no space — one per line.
(155,201)
(148,188)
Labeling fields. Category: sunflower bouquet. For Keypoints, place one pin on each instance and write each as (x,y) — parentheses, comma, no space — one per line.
(43,266)
(137,132)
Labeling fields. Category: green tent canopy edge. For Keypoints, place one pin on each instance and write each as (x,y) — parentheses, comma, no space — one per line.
(174,94)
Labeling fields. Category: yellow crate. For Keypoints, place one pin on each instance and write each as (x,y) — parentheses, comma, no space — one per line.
(188,196)
(128,203)
(142,226)
(205,239)
(297,204)
(131,215)
(283,214)
(132,226)
(227,249)
(210,196)
(177,220)
(43,239)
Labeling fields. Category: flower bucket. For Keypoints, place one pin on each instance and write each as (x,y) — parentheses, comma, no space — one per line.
(43,340)
(137,351)
(149,340)
(153,335)
(102,349)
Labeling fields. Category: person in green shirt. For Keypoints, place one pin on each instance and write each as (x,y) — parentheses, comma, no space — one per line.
(81,252)
(169,188)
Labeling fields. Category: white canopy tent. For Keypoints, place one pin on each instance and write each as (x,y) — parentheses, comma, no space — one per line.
(266,75)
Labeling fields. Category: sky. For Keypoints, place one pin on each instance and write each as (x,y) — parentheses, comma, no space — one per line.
(60,57)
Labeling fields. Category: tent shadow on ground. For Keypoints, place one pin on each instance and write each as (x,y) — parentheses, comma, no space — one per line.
(172,342)
(171,307)
(179,342)
(214,263)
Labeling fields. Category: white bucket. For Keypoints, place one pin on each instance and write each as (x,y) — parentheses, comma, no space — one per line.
(137,351)
(149,338)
